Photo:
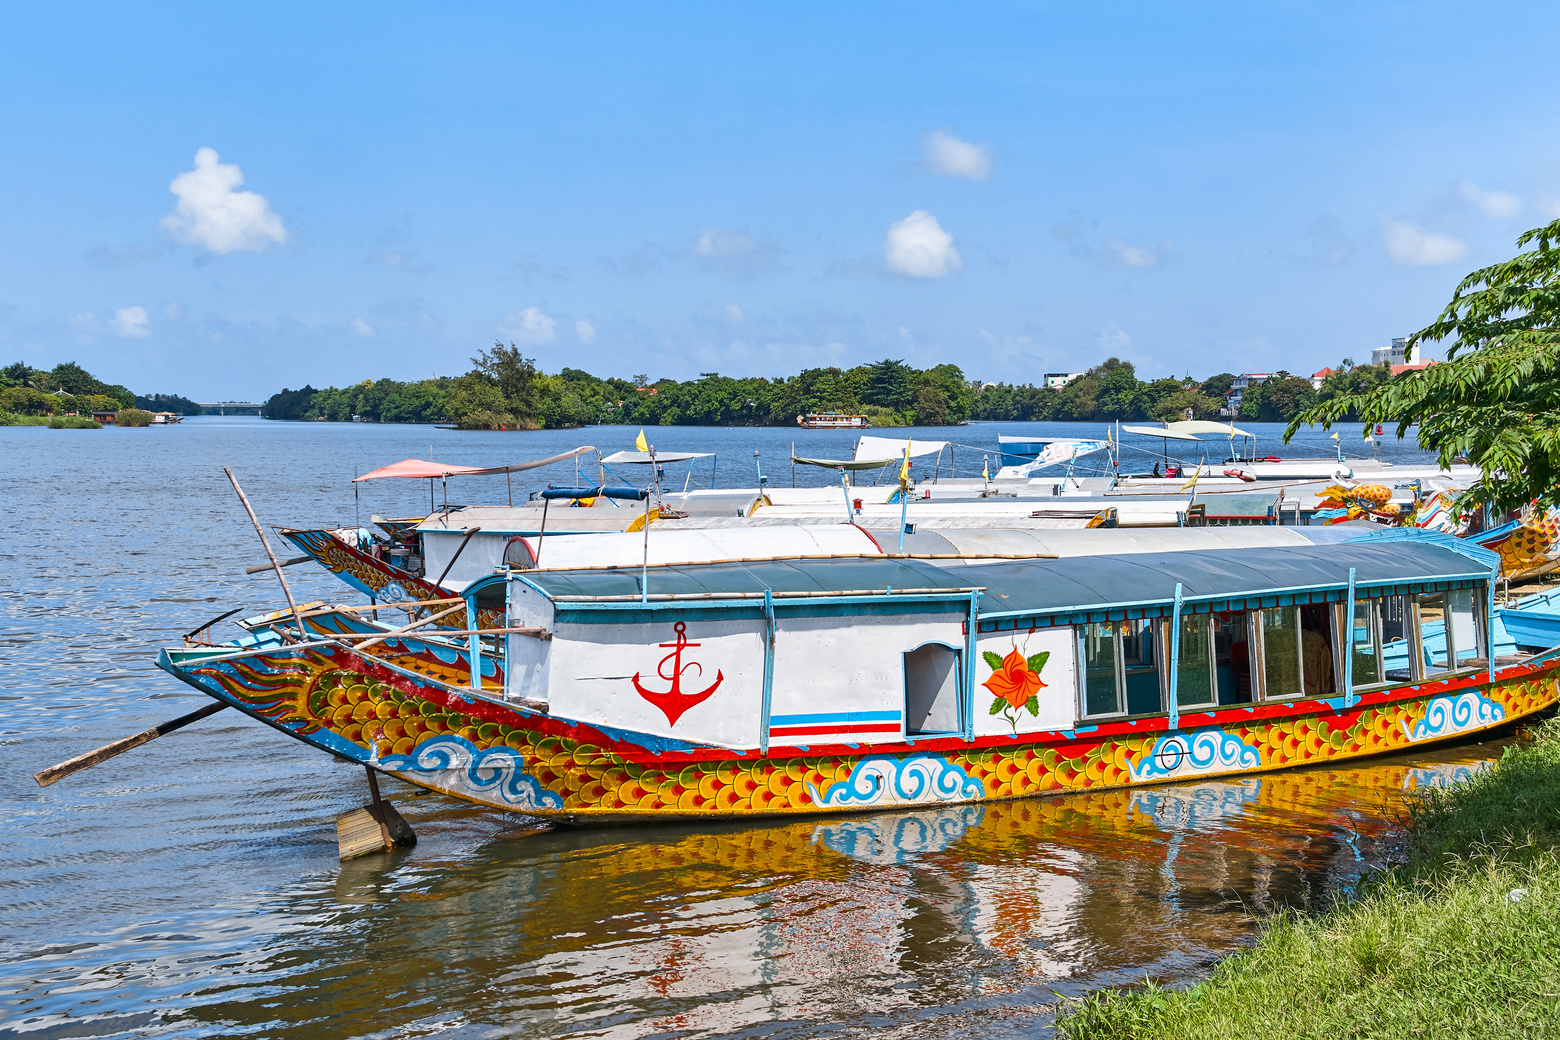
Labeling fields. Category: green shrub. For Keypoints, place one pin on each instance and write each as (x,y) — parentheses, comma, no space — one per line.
(72,422)
(134,417)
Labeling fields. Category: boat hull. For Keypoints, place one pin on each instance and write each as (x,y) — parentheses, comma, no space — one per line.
(506,756)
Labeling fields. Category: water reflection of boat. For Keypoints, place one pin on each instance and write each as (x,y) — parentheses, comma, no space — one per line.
(818,686)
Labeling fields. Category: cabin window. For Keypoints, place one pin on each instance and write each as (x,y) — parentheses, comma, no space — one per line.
(1232,657)
(1281,652)
(1101,669)
(1119,670)
(1396,656)
(1317,659)
(1462,625)
(1366,637)
(932,680)
(1194,665)
(1433,643)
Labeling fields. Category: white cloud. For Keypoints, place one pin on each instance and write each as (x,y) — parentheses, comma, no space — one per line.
(732,314)
(733,254)
(1413,246)
(129,323)
(947,156)
(212,214)
(715,242)
(585,331)
(1130,256)
(174,311)
(1497,205)
(361,328)
(1113,340)
(918,246)
(531,325)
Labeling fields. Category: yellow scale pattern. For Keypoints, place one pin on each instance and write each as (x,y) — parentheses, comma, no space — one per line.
(591,779)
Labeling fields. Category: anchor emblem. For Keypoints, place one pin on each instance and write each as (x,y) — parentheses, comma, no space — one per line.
(674,702)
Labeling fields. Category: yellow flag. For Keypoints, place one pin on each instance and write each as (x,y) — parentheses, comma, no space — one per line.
(986,470)
(1335,436)
(904,470)
(1190,484)
(639,442)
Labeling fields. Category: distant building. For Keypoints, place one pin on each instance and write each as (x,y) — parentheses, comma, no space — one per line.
(1238,388)
(1057,380)
(1396,354)
(1317,377)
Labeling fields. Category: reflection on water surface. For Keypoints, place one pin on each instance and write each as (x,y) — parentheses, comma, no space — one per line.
(191,887)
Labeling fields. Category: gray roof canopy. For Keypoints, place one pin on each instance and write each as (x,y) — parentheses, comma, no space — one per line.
(1048,585)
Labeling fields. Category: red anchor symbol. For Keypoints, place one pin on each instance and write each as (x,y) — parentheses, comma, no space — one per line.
(674,702)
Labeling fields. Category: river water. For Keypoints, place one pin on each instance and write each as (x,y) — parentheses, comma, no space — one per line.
(191,887)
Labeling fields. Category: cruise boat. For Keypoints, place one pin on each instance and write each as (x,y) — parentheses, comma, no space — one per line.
(816,686)
(833,421)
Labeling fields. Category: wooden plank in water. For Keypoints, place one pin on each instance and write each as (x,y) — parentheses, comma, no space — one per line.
(358,832)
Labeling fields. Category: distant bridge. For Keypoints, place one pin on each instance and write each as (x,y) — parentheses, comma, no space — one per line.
(222,406)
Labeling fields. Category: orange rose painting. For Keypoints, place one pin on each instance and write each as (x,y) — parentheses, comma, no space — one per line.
(1015,682)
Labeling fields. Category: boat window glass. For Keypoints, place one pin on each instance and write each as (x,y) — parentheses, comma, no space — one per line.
(1232,656)
(1101,681)
(1140,668)
(1397,656)
(1367,652)
(1281,652)
(1432,633)
(1460,624)
(1194,666)
(932,690)
(1316,649)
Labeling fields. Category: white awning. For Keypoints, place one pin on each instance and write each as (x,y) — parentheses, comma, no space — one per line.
(1158,431)
(894,448)
(643,457)
(1204,426)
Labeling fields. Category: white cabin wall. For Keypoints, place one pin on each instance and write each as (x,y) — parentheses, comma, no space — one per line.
(1058,698)
(824,667)
(592,668)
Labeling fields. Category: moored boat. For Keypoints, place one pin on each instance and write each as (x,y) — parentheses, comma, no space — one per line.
(823,686)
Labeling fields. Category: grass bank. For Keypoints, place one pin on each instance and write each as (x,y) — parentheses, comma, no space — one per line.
(12,419)
(1461,941)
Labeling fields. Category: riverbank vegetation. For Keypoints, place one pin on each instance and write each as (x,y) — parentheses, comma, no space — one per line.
(1492,402)
(505,390)
(36,397)
(1461,940)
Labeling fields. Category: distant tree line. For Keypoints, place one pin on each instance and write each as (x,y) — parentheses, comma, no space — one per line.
(505,390)
(68,388)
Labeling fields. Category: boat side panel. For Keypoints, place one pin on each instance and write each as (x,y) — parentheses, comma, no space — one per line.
(1042,664)
(834,685)
(698,681)
(501,756)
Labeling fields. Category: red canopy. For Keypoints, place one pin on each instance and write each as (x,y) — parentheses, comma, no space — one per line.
(435,470)
(419,468)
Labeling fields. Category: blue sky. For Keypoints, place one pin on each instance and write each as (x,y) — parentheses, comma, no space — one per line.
(676,189)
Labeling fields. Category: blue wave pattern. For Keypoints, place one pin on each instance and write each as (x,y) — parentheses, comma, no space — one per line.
(496,776)
(890,780)
(1447,715)
(1207,750)
(899,837)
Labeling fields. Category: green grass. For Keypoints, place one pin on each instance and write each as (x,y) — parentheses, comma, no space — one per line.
(72,422)
(12,419)
(1461,941)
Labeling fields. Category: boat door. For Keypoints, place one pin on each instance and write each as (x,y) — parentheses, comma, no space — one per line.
(933,681)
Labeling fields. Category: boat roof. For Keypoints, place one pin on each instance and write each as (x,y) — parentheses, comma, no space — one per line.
(1048,586)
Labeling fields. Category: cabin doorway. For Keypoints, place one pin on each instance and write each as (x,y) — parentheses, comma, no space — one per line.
(932,681)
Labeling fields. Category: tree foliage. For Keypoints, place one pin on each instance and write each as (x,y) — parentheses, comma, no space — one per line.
(1495,401)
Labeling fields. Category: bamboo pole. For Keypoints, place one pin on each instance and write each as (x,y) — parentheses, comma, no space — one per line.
(108,751)
(430,619)
(286,589)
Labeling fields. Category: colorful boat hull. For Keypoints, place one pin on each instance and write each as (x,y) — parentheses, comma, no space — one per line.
(505,756)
